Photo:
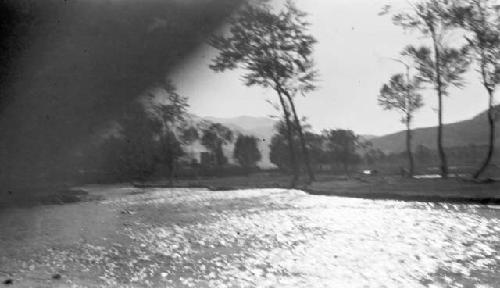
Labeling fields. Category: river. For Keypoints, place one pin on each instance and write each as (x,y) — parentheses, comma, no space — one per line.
(249,238)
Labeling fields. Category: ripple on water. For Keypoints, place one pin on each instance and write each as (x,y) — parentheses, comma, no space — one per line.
(331,240)
(286,238)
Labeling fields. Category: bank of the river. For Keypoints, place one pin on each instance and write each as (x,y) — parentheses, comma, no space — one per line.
(427,190)
(370,187)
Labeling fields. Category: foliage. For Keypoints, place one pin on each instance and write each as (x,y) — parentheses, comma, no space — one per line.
(151,134)
(402,95)
(139,149)
(315,145)
(274,49)
(279,146)
(429,17)
(341,146)
(453,63)
(481,20)
(336,148)
(214,137)
(246,151)
(373,156)
(169,110)
(442,65)
(167,105)
(189,134)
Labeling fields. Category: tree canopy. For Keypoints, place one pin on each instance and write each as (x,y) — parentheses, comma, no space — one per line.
(341,146)
(401,95)
(481,22)
(453,63)
(214,137)
(274,49)
(441,65)
(246,151)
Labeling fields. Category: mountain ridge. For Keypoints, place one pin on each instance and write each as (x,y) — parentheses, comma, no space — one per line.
(473,131)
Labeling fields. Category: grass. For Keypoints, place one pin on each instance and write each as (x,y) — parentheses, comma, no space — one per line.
(371,187)
(429,190)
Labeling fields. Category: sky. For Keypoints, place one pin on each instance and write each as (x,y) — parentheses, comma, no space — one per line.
(353,56)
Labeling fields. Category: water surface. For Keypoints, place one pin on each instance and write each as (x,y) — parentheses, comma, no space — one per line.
(252,238)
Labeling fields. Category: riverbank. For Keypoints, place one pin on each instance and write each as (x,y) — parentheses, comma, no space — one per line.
(454,190)
(426,190)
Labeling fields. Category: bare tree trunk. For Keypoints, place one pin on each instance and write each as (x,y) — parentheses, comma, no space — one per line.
(305,152)
(491,143)
(442,155)
(439,87)
(411,164)
(293,161)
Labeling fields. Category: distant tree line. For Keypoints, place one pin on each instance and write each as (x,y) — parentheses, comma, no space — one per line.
(341,151)
(153,139)
(463,159)
(246,152)
(331,150)
(274,49)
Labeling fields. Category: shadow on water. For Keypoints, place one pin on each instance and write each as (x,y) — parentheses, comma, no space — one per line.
(25,198)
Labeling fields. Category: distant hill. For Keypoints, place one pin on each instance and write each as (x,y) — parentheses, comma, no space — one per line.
(260,127)
(462,133)
(368,137)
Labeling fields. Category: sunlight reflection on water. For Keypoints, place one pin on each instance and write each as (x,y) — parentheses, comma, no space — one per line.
(286,238)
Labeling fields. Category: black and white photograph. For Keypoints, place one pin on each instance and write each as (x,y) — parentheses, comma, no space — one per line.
(249,143)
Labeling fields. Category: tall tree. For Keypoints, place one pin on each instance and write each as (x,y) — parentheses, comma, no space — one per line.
(138,149)
(373,156)
(401,94)
(341,146)
(315,143)
(278,147)
(246,151)
(440,65)
(151,132)
(169,111)
(214,137)
(481,21)
(189,134)
(275,50)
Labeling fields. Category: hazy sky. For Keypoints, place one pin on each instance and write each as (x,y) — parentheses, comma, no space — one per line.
(352,55)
